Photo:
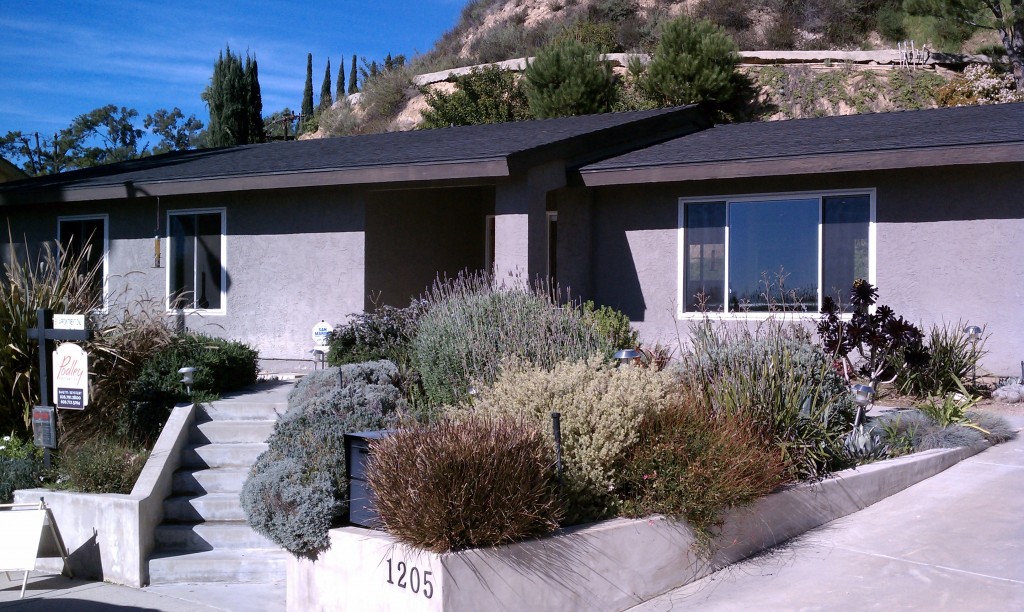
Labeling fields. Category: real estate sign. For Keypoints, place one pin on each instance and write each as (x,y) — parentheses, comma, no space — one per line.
(70,377)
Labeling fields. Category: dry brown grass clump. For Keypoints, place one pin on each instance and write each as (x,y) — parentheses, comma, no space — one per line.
(475,483)
(695,463)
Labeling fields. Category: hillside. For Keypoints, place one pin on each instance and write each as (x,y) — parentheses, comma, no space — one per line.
(854,68)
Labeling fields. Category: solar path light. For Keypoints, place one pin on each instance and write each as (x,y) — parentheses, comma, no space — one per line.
(626,356)
(973,333)
(188,378)
(862,396)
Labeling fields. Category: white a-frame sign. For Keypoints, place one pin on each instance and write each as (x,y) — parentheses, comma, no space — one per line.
(29,531)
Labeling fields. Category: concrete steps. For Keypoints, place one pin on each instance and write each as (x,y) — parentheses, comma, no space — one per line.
(236,565)
(204,536)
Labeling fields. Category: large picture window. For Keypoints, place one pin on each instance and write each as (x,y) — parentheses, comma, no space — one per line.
(196,260)
(84,240)
(760,254)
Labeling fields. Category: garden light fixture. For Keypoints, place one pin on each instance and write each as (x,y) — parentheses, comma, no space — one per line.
(862,396)
(626,356)
(188,378)
(974,334)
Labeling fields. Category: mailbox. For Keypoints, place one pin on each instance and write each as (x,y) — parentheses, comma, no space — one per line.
(361,508)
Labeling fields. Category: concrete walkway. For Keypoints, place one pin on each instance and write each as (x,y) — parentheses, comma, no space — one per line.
(953,542)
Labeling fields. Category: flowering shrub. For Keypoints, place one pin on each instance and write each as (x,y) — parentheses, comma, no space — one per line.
(20,466)
(471,326)
(601,409)
(980,84)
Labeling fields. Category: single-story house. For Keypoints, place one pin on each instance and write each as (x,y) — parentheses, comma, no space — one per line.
(657,213)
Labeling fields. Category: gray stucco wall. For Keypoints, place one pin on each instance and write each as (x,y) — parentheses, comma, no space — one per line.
(293,258)
(414,236)
(948,248)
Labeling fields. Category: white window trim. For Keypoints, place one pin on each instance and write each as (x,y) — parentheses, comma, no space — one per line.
(223,261)
(106,249)
(681,300)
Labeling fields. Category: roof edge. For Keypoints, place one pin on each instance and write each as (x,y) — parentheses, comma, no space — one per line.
(489,168)
(809,164)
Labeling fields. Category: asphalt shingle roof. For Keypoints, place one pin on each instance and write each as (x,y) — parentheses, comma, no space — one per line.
(437,146)
(935,128)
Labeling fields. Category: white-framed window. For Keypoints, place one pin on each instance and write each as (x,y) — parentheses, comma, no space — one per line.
(756,254)
(84,238)
(196,260)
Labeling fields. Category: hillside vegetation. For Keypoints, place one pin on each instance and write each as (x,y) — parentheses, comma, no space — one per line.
(492,31)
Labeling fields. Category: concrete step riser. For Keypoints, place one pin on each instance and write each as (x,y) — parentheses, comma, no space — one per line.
(218,480)
(231,432)
(209,536)
(221,455)
(239,411)
(205,508)
(259,569)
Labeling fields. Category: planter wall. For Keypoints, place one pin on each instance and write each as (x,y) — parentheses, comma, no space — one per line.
(611,565)
(109,537)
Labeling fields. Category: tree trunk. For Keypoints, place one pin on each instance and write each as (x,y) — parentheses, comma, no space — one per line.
(1013,41)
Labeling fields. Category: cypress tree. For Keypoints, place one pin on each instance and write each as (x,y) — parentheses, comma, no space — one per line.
(352,78)
(229,98)
(307,93)
(325,90)
(252,80)
(339,87)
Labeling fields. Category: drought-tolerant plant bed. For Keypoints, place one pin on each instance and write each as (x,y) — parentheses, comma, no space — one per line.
(611,565)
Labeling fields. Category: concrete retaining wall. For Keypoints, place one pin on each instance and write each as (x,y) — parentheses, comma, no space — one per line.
(611,565)
(109,537)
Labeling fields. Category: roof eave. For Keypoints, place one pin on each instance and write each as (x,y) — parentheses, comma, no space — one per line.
(810,164)
(476,169)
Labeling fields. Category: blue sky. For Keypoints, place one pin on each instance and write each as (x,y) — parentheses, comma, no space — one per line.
(60,59)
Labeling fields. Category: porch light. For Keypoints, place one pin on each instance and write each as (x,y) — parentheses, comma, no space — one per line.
(626,356)
(188,378)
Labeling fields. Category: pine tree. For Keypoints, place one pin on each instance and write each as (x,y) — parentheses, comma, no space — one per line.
(694,62)
(339,87)
(567,79)
(307,93)
(255,101)
(353,87)
(325,90)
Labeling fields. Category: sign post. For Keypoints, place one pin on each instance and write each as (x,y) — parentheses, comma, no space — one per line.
(45,333)
(321,338)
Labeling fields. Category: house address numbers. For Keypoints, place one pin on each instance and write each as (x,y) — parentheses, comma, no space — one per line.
(408,576)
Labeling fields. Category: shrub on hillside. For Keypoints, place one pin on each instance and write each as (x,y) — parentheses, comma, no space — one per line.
(783,383)
(601,409)
(470,327)
(488,95)
(478,482)
(694,463)
(567,79)
(695,62)
(305,462)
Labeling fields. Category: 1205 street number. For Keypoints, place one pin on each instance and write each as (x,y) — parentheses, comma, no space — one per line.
(410,577)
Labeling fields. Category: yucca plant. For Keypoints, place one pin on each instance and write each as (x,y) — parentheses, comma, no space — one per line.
(51,280)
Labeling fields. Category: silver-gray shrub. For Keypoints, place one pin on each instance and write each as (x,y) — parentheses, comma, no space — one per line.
(998,428)
(308,440)
(471,326)
(290,505)
(780,379)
